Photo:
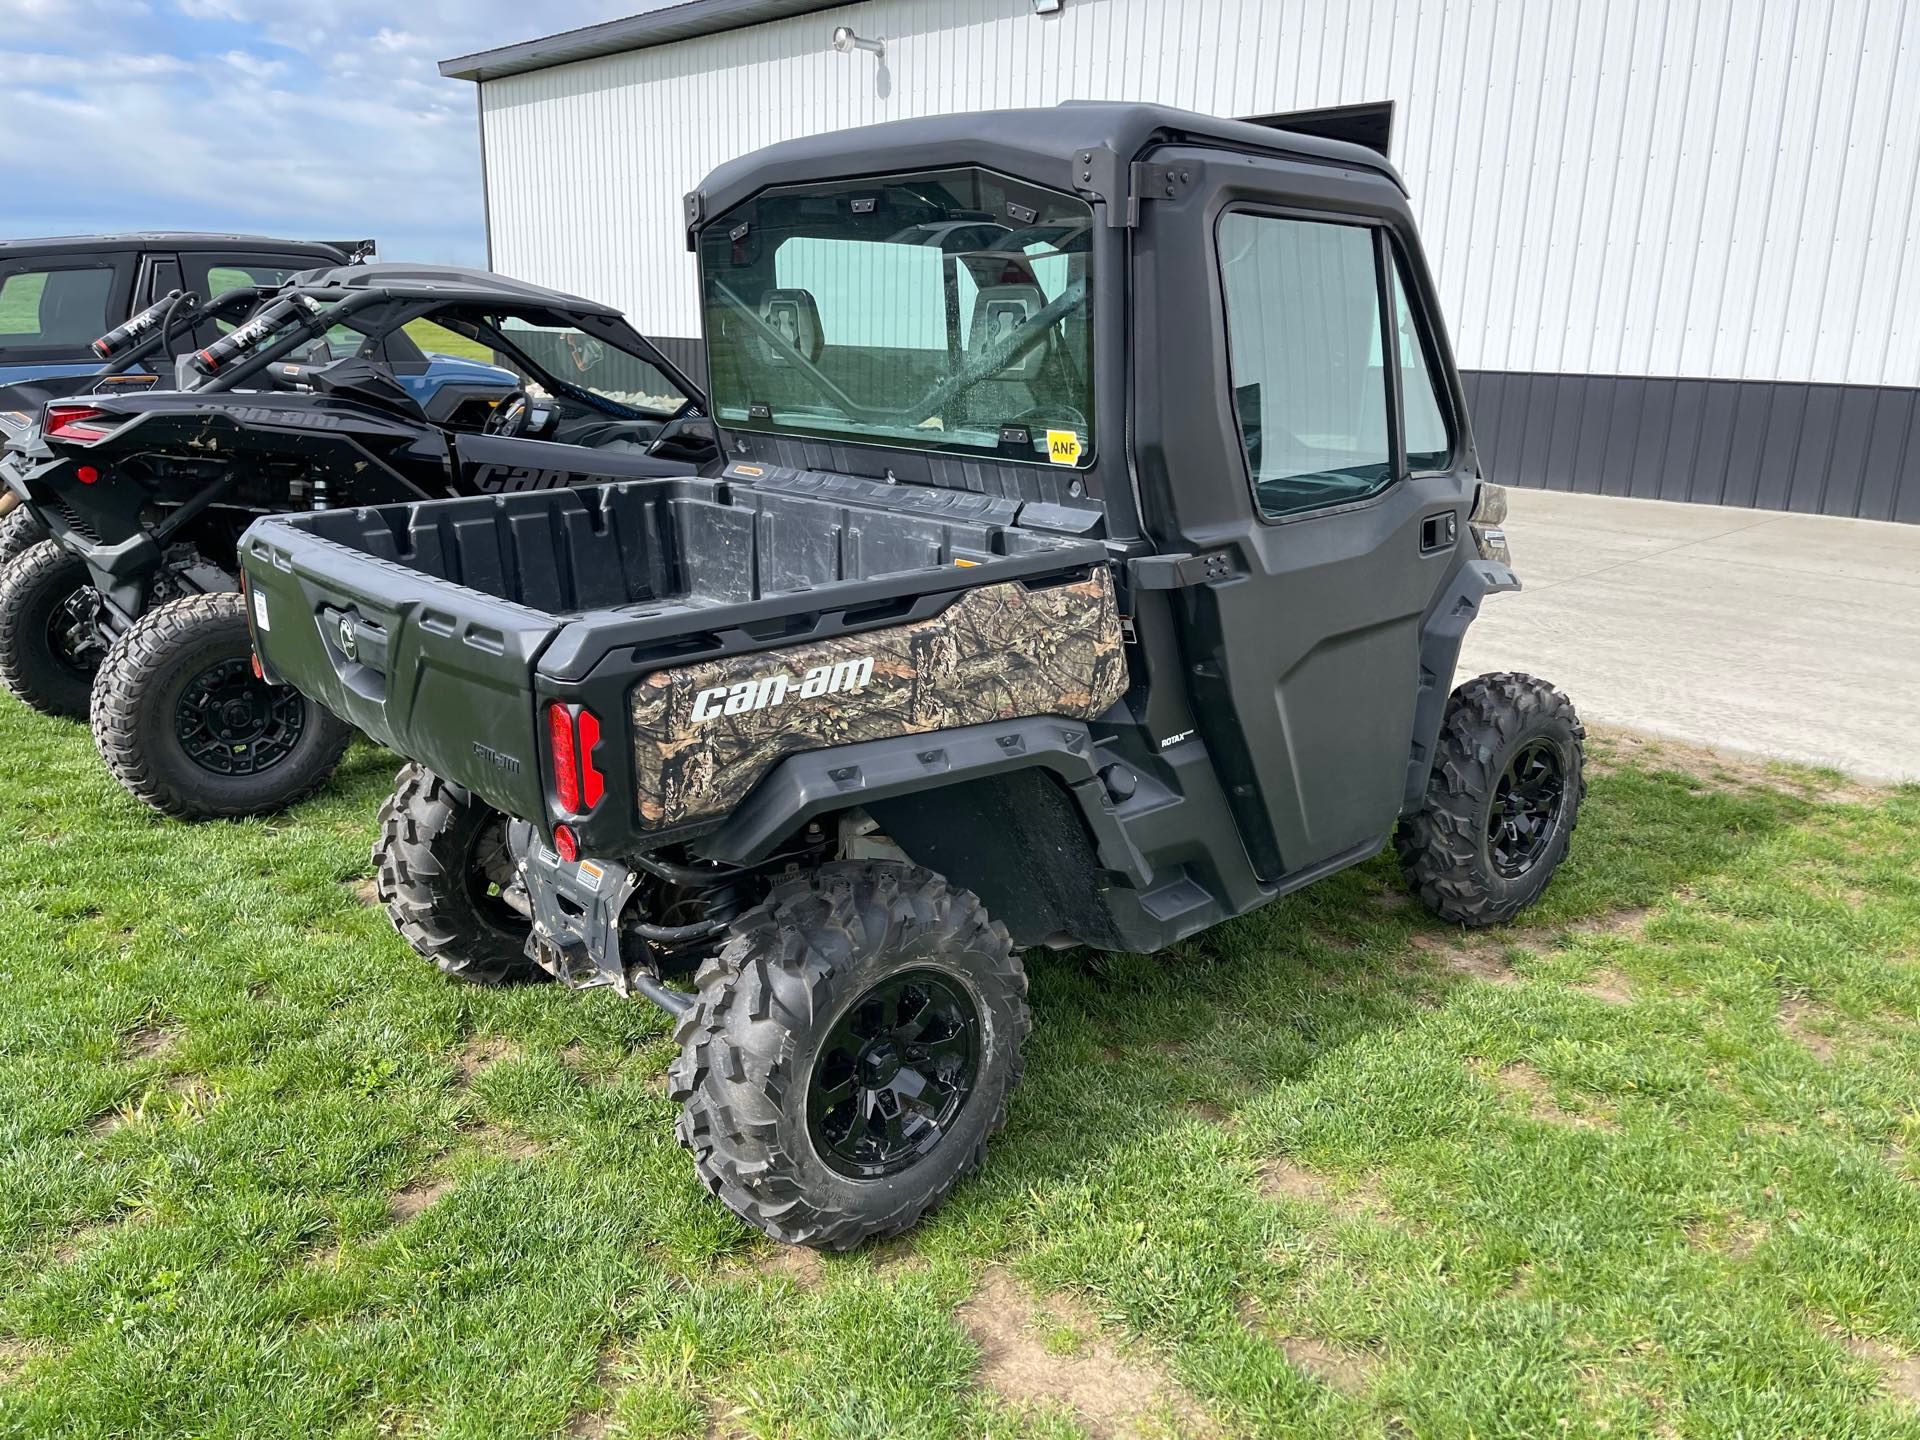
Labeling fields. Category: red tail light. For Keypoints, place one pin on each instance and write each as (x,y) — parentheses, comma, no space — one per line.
(592,783)
(76,422)
(565,843)
(573,733)
(566,762)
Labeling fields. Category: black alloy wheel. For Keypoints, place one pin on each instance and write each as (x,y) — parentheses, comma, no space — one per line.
(1501,802)
(230,722)
(1526,807)
(50,641)
(849,1052)
(893,1073)
(187,727)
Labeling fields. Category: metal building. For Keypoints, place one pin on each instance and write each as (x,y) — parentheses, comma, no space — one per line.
(1678,241)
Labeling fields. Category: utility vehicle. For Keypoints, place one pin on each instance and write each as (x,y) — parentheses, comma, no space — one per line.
(58,294)
(309,403)
(1099,528)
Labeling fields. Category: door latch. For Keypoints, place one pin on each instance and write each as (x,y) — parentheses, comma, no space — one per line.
(1179,572)
(1438,532)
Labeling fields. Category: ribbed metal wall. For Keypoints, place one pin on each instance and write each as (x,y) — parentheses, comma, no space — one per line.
(1707,189)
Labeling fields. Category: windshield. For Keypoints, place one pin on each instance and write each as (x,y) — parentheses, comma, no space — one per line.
(944,310)
(583,364)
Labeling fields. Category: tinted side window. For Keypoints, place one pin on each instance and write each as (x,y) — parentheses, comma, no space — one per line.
(55,307)
(213,277)
(1429,446)
(1304,342)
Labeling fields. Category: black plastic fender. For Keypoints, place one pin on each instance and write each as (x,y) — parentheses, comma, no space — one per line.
(1440,635)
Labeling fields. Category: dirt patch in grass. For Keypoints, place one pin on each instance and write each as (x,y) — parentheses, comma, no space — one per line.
(414,1200)
(366,890)
(480,1052)
(1523,1081)
(796,1263)
(1726,771)
(1607,986)
(1733,1236)
(14,1357)
(1349,1371)
(1114,1395)
(1798,1019)
(1283,1179)
(1463,954)
(1899,1371)
(1343,1367)
(151,1043)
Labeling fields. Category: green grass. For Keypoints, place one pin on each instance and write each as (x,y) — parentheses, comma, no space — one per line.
(20,304)
(438,340)
(262,1173)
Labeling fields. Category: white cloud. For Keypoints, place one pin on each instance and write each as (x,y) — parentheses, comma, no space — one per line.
(299,120)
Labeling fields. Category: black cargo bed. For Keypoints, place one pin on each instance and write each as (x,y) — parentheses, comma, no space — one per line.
(439,626)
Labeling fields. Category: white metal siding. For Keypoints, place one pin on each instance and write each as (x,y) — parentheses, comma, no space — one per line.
(1719,188)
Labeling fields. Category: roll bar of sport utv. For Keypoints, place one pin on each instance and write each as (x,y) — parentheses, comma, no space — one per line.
(1099,526)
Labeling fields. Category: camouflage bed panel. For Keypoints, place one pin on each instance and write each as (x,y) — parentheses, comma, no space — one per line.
(705,733)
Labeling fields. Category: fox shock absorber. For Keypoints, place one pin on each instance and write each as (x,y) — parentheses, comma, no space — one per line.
(122,336)
(243,338)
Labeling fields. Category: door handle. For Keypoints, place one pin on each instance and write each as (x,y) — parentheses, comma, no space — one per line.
(1439,532)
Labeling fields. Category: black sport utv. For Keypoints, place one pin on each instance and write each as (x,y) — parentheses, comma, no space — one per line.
(1099,530)
(61,297)
(315,401)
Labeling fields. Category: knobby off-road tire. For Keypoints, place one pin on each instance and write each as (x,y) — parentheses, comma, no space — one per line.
(880,956)
(1505,792)
(184,726)
(46,598)
(440,864)
(19,533)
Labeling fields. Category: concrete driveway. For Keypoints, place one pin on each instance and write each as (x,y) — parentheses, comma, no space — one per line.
(1793,636)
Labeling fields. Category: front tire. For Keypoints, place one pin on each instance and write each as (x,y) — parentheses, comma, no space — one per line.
(185,726)
(441,867)
(50,647)
(851,1049)
(20,531)
(1502,800)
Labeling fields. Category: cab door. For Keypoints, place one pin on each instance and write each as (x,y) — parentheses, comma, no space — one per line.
(1302,435)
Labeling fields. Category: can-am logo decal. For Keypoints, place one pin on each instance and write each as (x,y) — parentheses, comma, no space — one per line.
(770,690)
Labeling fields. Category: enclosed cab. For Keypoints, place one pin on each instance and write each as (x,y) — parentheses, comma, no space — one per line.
(1099,524)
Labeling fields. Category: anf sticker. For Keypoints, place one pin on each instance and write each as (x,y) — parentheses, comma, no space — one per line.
(1063,447)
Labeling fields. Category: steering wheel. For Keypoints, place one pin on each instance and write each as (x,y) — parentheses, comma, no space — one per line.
(511,417)
(687,431)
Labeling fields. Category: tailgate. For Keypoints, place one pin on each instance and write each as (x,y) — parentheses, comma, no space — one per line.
(435,671)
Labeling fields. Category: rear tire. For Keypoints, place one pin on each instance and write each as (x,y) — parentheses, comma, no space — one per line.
(50,648)
(1505,792)
(440,863)
(185,726)
(828,993)
(19,533)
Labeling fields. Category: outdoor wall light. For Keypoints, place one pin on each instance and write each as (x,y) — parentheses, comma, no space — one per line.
(1047,7)
(846,42)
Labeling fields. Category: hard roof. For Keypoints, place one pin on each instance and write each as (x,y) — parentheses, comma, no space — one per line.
(1041,145)
(163,240)
(635,32)
(450,283)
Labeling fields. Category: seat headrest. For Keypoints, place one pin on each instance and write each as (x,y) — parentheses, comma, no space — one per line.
(999,310)
(796,316)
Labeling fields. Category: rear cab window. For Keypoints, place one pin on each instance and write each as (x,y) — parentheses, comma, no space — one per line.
(1309,337)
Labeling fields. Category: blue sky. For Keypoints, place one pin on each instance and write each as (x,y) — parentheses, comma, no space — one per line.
(326,120)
